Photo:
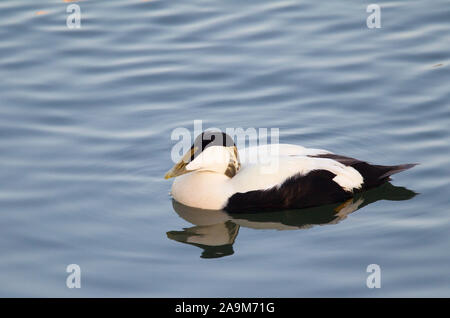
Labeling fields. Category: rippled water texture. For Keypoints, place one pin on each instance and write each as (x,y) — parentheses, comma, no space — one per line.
(86,118)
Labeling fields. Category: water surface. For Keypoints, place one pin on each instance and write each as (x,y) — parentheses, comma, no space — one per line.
(86,118)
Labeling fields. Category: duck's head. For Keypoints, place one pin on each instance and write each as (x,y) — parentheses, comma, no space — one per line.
(212,151)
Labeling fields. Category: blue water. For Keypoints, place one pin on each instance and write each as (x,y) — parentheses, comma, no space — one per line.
(86,117)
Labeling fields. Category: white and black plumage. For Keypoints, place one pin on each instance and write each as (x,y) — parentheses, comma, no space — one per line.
(211,176)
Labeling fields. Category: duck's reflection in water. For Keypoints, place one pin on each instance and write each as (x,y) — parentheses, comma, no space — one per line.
(216,231)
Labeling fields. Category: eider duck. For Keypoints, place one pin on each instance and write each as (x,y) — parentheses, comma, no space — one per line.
(211,176)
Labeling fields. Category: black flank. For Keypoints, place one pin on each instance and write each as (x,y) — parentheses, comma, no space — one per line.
(315,188)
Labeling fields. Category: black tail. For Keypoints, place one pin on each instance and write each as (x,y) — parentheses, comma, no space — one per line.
(390,170)
(374,175)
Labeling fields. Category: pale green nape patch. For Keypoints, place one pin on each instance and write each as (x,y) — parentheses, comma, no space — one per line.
(234,164)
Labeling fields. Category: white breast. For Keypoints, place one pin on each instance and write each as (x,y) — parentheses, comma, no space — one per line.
(202,189)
